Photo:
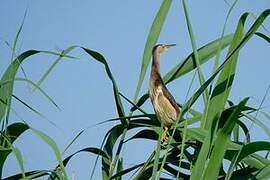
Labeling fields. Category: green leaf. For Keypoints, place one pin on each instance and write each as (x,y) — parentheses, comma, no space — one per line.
(92,150)
(156,168)
(151,41)
(28,106)
(151,116)
(63,54)
(29,175)
(223,85)
(140,102)
(4,152)
(134,105)
(119,168)
(245,130)
(252,148)
(247,36)
(40,89)
(266,115)
(125,171)
(111,136)
(205,53)
(197,133)
(32,83)
(176,173)
(263,36)
(264,173)
(17,37)
(119,107)
(258,122)
(12,132)
(253,161)
(97,56)
(7,89)
(195,52)
(145,134)
(217,59)
(221,143)
(72,141)
(54,147)
(19,158)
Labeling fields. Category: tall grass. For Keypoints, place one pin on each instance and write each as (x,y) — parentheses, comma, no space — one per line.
(191,152)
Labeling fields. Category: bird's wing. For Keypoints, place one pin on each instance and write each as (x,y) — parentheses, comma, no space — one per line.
(165,108)
(170,98)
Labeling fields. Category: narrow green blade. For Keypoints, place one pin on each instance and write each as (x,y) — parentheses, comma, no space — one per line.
(195,52)
(151,41)
(63,54)
(221,143)
(13,131)
(7,89)
(54,147)
(223,85)
(264,173)
(205,53)
(97,56)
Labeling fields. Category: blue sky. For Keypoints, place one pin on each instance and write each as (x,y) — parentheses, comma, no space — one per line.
(118,30)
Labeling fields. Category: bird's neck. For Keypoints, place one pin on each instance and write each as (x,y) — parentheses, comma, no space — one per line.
(155,72)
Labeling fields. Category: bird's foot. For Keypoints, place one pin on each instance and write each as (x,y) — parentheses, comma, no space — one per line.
(164,139)
(165,135)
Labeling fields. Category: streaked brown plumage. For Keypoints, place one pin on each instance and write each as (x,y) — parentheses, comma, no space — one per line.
(163,102)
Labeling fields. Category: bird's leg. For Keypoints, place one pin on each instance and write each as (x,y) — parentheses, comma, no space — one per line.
(165,135)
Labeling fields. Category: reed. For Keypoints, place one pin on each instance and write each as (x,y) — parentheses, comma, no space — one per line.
(192,152)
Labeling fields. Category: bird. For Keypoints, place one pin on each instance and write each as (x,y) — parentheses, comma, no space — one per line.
(164,104)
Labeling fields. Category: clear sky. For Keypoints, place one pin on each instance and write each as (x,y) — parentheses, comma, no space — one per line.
(118,30)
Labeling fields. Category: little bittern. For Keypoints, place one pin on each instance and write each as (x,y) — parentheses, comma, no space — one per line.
(163,102)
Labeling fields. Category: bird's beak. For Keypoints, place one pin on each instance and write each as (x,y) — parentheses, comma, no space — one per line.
(167,46)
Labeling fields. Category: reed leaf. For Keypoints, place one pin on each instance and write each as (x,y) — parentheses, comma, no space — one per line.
(258,122)
(245,39)
(205,53)
(195,52)
(97,56)
(145,134)
(151,41)
(119,168)
(28,106)
(253,147)
(263,36)
(223,85)
(29,175)
(92,150)
(19,158)
(7,89)
(125,171)
(63,54)
(264,173)
(221,142)
(112,135)
(54,147)
(12,132)
(196,173)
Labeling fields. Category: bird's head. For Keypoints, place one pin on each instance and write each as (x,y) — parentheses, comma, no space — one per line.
(160,48)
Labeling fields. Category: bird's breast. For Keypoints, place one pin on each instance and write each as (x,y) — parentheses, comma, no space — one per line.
(164,109)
